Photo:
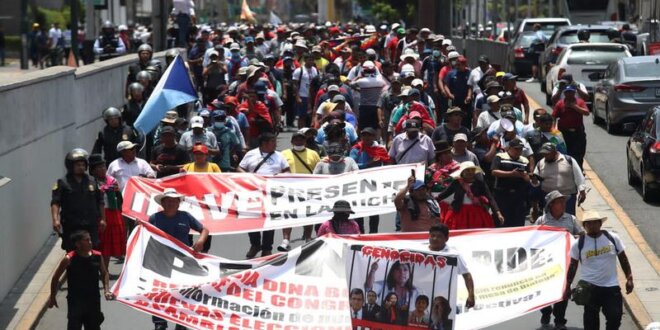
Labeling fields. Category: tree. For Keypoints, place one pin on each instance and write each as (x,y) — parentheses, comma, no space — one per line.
(392,10)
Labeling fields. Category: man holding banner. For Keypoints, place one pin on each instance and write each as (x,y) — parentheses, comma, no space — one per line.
(177,224)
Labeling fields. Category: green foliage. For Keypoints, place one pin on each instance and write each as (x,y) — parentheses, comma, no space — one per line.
(13,43)
(46,17)
(391,11)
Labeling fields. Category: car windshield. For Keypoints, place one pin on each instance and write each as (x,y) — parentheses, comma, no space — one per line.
(571,37)
(595,55)
(642,70)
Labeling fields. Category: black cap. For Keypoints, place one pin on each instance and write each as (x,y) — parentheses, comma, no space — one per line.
(368,130)
(167,130)
(516,143)
(508,114)
(95,159)
(484,59)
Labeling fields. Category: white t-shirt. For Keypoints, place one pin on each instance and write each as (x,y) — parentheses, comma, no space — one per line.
(305,79)
(371,88)
(486,118)
(473,80)
(54,35)
(275,164)
(598,259)
(462,265)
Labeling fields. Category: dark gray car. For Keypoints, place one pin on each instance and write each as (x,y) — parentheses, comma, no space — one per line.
(626,90)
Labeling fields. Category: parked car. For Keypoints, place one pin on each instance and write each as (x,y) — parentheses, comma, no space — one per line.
(582,60)
(520,56)
(643,155)
(565,36)
(627,89)
(548,25)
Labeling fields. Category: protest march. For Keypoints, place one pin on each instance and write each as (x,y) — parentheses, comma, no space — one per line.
(379,121)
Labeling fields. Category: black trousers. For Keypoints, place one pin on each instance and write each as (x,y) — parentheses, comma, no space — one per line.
(610,301)
(558,310)
(513,205)
(84,311)
(374,220)
(266,243)
(576,144)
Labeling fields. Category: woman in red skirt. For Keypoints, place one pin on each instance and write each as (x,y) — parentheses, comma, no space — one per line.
(472,200)
(113,238)
(438,175)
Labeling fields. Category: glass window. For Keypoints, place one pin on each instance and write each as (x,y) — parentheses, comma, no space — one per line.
(645,69)
(595,55)
(571,37)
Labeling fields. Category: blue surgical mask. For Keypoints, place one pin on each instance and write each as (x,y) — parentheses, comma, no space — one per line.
(235,56)
(219,125)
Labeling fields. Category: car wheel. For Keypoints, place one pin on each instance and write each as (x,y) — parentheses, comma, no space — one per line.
(594,115)
(611,127)
(632,179)
(648,194)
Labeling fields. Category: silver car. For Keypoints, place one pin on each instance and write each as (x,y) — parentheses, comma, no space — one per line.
(582,61)
(626,90)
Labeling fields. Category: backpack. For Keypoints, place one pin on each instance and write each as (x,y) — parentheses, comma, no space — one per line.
(581,243)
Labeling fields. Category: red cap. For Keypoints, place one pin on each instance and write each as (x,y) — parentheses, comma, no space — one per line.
(231,100)
(333,30)
(414,114)
(461,59)
(200,148)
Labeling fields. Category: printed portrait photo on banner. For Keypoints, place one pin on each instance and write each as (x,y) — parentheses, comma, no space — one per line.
(389,286)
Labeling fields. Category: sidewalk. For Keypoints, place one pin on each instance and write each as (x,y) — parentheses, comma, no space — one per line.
(644,302)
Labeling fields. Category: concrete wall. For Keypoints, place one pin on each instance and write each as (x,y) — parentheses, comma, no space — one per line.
(44,115)
(473,48)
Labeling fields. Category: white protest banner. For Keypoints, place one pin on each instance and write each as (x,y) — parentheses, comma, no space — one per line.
(515,271)
(230,203)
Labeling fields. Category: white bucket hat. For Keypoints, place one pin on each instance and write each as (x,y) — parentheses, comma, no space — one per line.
(168,193)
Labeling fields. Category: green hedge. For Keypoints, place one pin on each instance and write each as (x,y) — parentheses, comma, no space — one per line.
(13,43)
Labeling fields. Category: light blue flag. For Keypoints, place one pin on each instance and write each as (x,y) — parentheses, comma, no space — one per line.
(173,89)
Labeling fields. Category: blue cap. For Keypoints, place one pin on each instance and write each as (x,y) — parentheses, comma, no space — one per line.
(509,76)
(260,87)
(287,58)
(249,39)
(418,184)
(570,88)
(204,113)
(219,113)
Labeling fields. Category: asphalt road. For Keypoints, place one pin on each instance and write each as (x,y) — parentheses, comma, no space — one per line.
(607,156)
(119,316)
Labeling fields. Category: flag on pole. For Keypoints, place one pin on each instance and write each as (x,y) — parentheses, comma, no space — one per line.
(274,19)
(246,13)
(173,89)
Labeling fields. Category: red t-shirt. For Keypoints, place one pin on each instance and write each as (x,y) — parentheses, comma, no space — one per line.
(443,72)
(569,118)
(394,42)
(260,110)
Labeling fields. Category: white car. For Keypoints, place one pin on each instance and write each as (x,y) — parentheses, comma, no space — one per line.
(582,61)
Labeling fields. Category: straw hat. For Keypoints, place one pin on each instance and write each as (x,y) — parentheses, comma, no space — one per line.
(591,215)
(466,166)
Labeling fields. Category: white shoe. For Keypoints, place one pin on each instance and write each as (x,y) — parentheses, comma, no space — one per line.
(530,80)
(284,246)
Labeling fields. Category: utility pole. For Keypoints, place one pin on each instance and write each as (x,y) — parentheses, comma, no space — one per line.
(74,29)
(24,35)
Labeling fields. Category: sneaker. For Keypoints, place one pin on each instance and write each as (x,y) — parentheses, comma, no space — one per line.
(530,80)
(265,253)
(252,252)
(284,246)
(560,326)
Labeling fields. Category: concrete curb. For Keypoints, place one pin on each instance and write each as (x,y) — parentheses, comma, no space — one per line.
(638,310)
(39,305)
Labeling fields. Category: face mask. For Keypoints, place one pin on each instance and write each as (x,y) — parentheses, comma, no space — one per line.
(235,56)
(436,53)
(453,63)
(298,148)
